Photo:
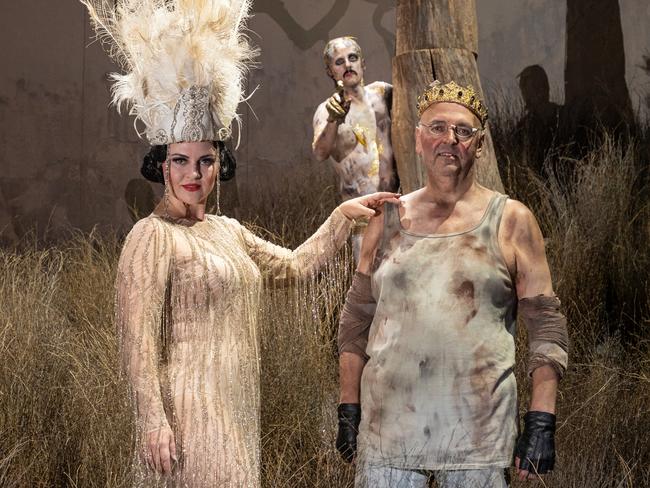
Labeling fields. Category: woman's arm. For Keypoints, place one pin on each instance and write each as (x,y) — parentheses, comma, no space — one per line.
(283,264)
(140,291)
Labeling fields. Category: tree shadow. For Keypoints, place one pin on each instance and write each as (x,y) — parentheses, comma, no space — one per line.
(596,93)
(301,37)
(381,9)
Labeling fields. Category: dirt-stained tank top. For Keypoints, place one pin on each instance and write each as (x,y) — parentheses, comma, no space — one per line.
(438,391)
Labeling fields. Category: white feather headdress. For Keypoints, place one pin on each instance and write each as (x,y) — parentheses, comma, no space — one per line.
(185,60)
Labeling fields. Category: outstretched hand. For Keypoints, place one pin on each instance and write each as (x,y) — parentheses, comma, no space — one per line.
(368,205)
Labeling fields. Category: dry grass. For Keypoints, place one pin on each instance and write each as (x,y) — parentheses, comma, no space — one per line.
(64,411)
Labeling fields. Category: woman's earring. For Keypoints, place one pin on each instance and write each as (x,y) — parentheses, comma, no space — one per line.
(166,194)
(218,194)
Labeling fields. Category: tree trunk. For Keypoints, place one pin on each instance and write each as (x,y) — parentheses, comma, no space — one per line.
(436,39)
(596,93)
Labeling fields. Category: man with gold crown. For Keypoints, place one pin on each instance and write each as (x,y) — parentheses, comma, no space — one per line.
(432,309)
(352,127)
(187,285)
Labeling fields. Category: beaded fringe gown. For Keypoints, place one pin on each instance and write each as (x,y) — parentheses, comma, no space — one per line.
(186,305)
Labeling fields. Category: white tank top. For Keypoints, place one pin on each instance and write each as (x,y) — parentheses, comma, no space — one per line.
(438,391)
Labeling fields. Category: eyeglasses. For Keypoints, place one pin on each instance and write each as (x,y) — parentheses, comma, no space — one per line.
(439,129)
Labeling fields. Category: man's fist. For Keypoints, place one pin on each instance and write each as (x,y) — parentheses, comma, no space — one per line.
(346,439)
(337,106)
(535,451)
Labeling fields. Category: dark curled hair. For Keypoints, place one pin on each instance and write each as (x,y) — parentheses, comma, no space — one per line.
(152,163)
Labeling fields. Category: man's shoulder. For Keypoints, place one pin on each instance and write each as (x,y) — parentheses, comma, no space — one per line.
(380,87)
(320,114)
(514,209)
(518,219)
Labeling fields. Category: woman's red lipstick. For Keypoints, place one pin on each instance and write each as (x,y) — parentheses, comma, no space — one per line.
(192,187)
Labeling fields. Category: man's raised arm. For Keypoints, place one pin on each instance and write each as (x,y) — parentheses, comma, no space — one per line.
(329,115)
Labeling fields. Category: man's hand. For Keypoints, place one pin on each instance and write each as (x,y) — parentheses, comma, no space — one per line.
(346,439)
(337,106)
(160,450)
(535,451)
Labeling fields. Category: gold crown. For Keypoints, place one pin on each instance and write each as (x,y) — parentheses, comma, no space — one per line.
(451,92)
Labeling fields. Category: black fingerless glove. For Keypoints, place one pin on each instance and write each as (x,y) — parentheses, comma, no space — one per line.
(536,445)
(346,439)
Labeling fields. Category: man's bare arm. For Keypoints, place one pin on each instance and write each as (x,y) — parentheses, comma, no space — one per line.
(350,370)
(357,315)
(324,134)
(535,452)
(371,237)
(351,364)
(533,278)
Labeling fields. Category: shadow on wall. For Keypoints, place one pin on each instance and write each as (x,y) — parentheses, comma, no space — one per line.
(306,38)
(596,93)
(541,120)
(646,68)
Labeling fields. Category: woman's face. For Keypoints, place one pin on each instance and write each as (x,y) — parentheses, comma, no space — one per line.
(193,169)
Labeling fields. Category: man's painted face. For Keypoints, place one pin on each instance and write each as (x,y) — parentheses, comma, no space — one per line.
(447,154)
(346,64)
(193,169)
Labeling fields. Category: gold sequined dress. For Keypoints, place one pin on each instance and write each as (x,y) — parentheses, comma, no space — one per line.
(186,304)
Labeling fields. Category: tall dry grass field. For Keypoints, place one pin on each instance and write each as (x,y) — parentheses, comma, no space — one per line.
(65,416)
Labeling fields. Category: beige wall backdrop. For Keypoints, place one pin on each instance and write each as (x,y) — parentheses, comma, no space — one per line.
(66,157)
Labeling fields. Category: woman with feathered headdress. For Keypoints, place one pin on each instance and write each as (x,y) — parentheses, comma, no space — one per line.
(188,282)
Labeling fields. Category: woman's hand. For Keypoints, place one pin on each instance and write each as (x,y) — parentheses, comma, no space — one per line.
(367,205)
(160,450)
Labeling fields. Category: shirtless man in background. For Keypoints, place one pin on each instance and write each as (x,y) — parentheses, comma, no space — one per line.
(352,127)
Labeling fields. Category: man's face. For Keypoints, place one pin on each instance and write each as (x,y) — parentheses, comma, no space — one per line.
(446,154)
(346,64)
